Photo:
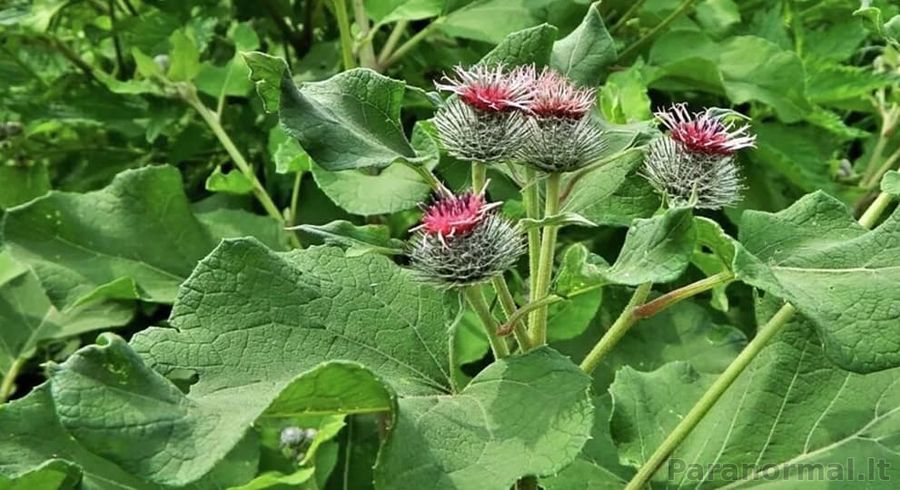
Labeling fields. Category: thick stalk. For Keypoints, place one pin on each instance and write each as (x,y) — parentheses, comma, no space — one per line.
(653,307)
(258,190)
(618,329)
(366,51)
(545,264)
(343,22)
(888,164)
(475,297)
(721,384)
(479,176)
(874,211)
(8,385)
(639,44)
(712,395)
(508,303)
(531,200)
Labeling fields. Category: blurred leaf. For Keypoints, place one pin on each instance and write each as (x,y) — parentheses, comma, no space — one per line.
(623,98)
(478,20)
(232,182)
(890,183)
(184,59)
(22,183)
(358,240)
(385,11)
(579,282)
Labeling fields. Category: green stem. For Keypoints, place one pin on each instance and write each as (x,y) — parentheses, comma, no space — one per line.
(721,384)
(510,308)
(661,303)
(366,50)
(618,329)
(874,211)
(639,44)
(531,200)
(259,191)
(392,40)
(888,164)
(427,175)
(515,318)
(479,176)
(545,264)
(412,42)
(712,395)
(8,385)
(343,22)
(475,297)
(635,6)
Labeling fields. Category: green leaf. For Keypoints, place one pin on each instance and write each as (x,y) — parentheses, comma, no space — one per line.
(614,194)
(584,54)
(350,121)
(236,223)
(286,152)
(267,73)
(184,58)
(145,65)
(95,246)
(684,332)
(276,479)
(232,79)
(836,273)
(522,415)
(533,45)
(478,20)
(597,468)
(386,11)
(22,183)
(656,250)
(27,318)
(393,189)
(789,410)
(579,281)
(231,182)
(799,153)
(562,219)
(623,98)
(358,240)
(55,474)
(662,396)
(890,183)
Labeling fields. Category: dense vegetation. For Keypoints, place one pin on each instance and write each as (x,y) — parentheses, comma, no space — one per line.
(229,194)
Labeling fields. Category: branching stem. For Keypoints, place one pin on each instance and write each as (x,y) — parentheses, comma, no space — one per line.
(475,296)
(545,263)
(618,329)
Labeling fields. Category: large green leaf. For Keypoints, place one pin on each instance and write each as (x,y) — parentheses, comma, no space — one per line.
(597,468)
(135,239)
(523,415)
(27,317)
(584,54)
(790,412)
(839,275)
(350,121)
(657,249)
(684,332)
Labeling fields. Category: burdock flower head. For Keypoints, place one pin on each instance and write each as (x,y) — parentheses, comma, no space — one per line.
(462,241)
(693,165)
(562,136)
(485,122)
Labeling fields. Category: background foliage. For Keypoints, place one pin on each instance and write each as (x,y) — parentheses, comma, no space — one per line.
(118,188)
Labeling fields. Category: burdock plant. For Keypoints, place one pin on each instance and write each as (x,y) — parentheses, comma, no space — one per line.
(693,165)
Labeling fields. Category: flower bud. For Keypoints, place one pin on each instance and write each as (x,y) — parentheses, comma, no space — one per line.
(562,137)
(462,241)
(484,122)
(694,165)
